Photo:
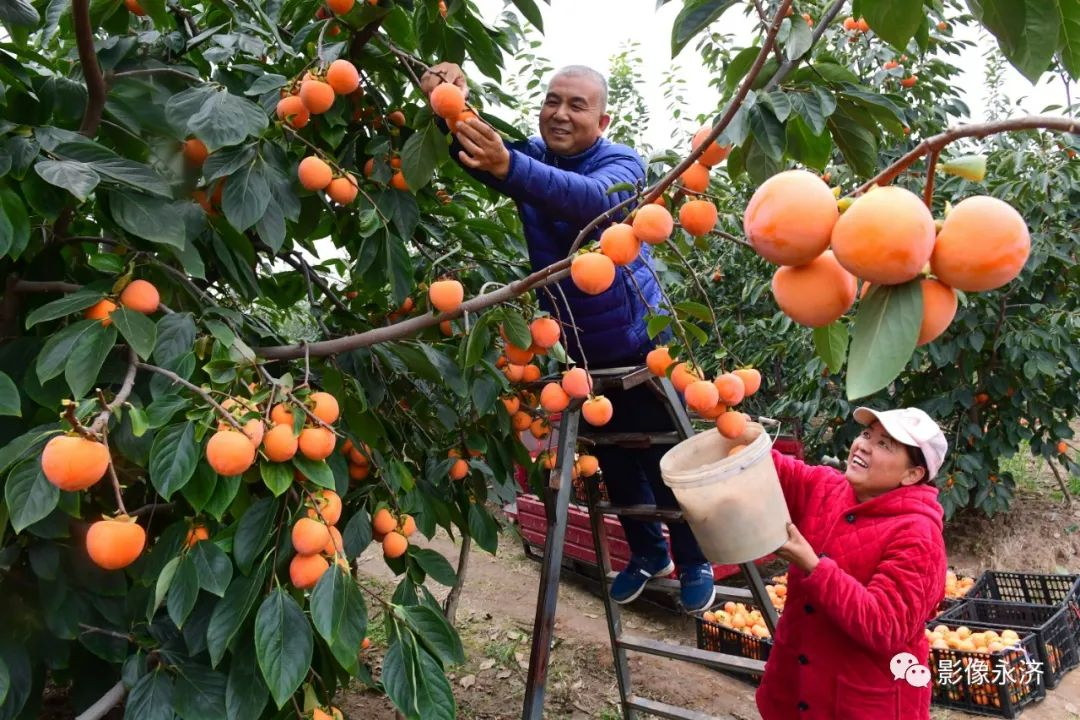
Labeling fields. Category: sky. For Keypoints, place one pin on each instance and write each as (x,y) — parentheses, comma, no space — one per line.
(589,32)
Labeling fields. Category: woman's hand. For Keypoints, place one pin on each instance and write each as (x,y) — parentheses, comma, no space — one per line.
(797,550)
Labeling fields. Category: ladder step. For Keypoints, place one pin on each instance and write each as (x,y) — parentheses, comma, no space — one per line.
(641,512)
(662,709)
(723,592)
(708,658)
(633,440)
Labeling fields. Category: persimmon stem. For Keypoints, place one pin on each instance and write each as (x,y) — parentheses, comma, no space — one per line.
(112,476)
(574,325)
(177,380)
(295,400)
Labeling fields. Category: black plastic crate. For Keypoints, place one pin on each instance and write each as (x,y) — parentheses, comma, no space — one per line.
(720,638)
(1033,588)
(1053,628)
(997,683)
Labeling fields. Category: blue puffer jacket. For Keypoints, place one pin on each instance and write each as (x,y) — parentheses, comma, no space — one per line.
(556,197)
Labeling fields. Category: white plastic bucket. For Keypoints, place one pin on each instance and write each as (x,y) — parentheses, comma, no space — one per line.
(733,504)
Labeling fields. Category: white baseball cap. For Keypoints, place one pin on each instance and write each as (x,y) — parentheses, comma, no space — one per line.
(911,426)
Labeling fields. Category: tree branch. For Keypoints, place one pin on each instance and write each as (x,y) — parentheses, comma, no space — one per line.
(107,701)
(823,23)
(301,265)
(44,286)
(407,328)
(980,130)
(177,380)
(95,83)
(450,605)
(102,420)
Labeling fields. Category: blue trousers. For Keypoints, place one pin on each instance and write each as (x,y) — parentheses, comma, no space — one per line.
(633,476)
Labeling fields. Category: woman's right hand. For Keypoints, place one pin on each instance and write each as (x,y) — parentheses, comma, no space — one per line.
(443,72)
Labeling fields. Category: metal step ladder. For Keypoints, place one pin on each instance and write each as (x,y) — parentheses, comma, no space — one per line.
(556,501)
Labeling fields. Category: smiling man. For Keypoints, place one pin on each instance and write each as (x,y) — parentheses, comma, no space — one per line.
(867,572)
(560,181)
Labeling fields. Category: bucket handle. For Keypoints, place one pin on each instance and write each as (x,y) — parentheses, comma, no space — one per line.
(771,422)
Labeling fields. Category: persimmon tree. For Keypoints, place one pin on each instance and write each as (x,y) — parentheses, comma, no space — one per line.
(256,319)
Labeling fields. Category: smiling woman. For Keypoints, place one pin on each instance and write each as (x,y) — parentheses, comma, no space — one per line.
(867,570)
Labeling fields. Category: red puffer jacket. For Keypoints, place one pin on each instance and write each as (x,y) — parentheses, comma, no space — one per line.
(880,578)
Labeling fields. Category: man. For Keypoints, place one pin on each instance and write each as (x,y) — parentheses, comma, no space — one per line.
(867,572)
(560,182)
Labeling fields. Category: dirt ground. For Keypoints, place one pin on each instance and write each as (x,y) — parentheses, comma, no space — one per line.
(496,615)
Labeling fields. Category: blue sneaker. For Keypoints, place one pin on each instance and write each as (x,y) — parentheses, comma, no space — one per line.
(698,589)
(629,583)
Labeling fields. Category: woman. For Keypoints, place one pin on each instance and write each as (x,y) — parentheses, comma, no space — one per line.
(867,571)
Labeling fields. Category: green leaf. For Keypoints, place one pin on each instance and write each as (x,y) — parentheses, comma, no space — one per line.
(278,477)
(768,132)
(283,644)
(77,178)
(151,698)
(1070,37)
(200,692)
(423,152)
(434,633)
(800,39)
(657,324)
(162,410)
(398,677)
(434,697)
(831,343)
(435,565)
(229,614)
(357,534)
(253,532)
(149,218)
(162,585)
(815,107)
(173,458)
(739,66)
(695,16)
(66,305)
(858,145)
(15,231)
(120,169)
(29,496)
(1027,32)
(10,402)
(246,196)
(339,614)
(19,12)
(30,441)
(317,471)
(803,145)
(895,21)
(399,268)
(139,330)
(224,493)
(516,329)
(87,356)
(183,592)
(484,532)
(531,12)
(226,119)
(246,693)
(175,337)
(478,342)
(886,328)
(695,310)
(212,566)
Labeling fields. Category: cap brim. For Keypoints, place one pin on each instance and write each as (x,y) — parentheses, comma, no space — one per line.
(867,416)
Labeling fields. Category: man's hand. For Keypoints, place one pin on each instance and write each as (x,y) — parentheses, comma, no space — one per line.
(484,149)
(443,72)
(797,550)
